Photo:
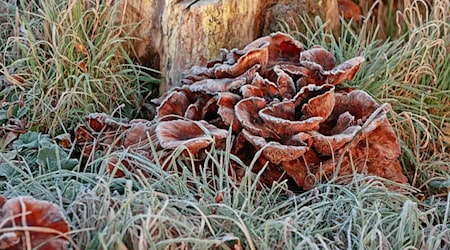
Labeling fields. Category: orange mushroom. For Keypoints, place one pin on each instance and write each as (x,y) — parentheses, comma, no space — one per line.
(276,97)
(226,103)
(320,56)
(26,220)
(247,112)
(195,136)
(274,151)
(176,104)
(350,10)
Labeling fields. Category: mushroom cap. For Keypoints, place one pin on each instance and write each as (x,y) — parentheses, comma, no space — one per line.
(175,103)
(139,134)
(321,103)
(285,83)
(274,151)
(281,47)
(194,135)
(197,73)
(28,211)
(197,111)
(96,121)
(296,70)
(380,138)
(331,144)
(83,135)
(215,86)
(281,118)
(344,71)
(315,102)
(247,112)
(194,111)
(358,103)
(251,58)
(260,87)
(350,112)
(320,56)
(101,121)
(226,103)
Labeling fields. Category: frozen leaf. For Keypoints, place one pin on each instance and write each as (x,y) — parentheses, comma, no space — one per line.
(53,158)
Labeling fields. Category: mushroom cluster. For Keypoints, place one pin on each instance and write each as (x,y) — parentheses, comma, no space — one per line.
(282,101)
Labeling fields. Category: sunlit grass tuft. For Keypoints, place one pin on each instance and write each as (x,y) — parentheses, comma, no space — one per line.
(64,59)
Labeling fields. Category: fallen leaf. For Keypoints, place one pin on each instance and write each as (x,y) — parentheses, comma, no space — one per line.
(81,49)
(219,197)
(82,66)
(446,131)
(7,139)
(64,140)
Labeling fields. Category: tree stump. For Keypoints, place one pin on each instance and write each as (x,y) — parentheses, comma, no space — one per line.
(174,35)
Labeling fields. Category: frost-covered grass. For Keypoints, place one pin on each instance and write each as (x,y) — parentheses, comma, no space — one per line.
(60,60)
(156,209)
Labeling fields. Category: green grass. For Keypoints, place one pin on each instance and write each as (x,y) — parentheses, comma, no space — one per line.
(156,209)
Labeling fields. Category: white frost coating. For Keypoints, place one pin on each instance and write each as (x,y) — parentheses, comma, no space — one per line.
(214,86)
(203,134)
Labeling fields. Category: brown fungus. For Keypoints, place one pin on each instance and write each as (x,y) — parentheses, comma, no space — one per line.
(175,104)
(226,103)
(281,118)
(274,151)
(195,136)
(247,112)
(285,83)
(281,47)
(344,71)
(320,56)
(26,220)
(273,96)
(251,58)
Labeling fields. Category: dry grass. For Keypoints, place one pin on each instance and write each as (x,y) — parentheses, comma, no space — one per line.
(61,60)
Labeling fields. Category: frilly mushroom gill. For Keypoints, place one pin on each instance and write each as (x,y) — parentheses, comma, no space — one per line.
(276,97)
